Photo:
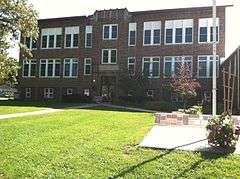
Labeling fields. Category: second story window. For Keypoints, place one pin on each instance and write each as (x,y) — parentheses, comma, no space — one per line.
(109,56)
(206,30)
(172,65)
(71,37)
(132,33)
(51,38)
(29,68)
(87,66)
(205,66)
(131,65)
(30,43)
(110,32)
(152,33)
(151,67)
(88,36)
(179,31)
(70,67)
(50,68)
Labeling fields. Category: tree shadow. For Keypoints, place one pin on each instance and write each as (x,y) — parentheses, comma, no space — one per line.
(205,155)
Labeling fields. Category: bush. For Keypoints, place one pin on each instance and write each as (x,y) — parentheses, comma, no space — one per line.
(197,110)
(222,131)
(163,106)
(76,98)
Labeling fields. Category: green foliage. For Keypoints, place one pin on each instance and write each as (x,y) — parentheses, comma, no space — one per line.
(15,16)
(197,109)
(222,131)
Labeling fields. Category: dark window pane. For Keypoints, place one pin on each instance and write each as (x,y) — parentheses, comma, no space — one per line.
(106,32)
(43,69)
(202,71)
(34,44)
(44,41)
(87,69)
(169,35)
(28,41)
(147,37)
(33,69)
(131,69)
(132,38)
(74,69)
(67,70)
(211,31)
(50,69)
(57,69)
(114,32)
(146,69)
(105,56)
(155,71)
(75,40)
(51,41)
(203,34)
(89,40)
(168,69)
(113,56)
(25,69)
(178,37)
(156,36)
(188,35)
(59,41)
(68,40)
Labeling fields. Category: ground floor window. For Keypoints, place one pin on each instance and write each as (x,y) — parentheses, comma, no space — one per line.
(176,97)
(207,96)
(150,93)
(69,91)
(86,92)
(48,93)
(28,92)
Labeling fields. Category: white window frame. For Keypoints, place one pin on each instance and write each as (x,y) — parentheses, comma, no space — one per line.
(71,31)
(208,23)
(132,27)
(29,61)
(151,66)
(152,27)
(55,61)
(181,23)
(48,32)
(110,32)
(88,30)
(72,61)
(148,95)
(86,63)
(48,93)
(134,63)
(208,65)
(31,43)
(173,61)
(109,56)
(69,91)
(28,93)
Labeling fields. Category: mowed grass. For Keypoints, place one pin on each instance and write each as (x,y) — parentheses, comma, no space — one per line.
(98,143)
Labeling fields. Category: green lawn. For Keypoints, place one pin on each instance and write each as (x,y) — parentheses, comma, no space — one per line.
(97,143)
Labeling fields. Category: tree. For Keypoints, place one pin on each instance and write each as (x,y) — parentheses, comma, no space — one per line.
(15,16)
(184,84)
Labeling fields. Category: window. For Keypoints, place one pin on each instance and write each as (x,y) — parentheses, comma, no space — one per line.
(87,66)
(109,56)
(131,65)
(206,30)
(69,91)
(150,93)
(70,67)
(176,97)
(152,33)
(151,67)
(88,37)
(207,96)
(50,68)
(71,37)
(172,64)
(179,31)
(110,31)
(28,92)
(205,66)
(48,93)
(132,28)
(30,43)
(86,92)
(51,38)
(29,68)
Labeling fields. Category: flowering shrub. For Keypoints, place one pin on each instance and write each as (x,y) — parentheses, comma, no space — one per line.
(222,131)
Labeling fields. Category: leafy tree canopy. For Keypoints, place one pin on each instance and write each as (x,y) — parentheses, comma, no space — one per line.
(15,16)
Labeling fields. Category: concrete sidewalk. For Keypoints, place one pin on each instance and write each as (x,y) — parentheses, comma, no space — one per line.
(192,138)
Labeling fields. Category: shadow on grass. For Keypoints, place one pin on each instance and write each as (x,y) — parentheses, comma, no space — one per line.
(204,157)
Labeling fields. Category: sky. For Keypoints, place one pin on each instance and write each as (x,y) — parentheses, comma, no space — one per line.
(64,8)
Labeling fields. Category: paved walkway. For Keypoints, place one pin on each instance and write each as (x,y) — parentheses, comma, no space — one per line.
(191,138)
